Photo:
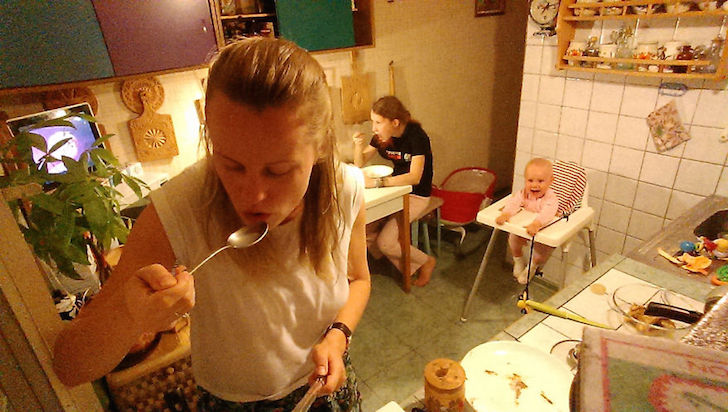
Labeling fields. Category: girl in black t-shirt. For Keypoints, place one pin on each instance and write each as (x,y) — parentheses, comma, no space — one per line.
(401,140)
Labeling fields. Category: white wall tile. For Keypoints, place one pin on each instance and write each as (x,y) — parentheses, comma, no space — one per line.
(658,169)
(569,148)
(638,100)
(697,31)
(686,104)
(601,127)
(652,199)
(551,90)
(620,190)
(676,151)
(573,74)
(626,162)
(643,225)
(596,204)
(518,181)
(609,241)
(573,121)
(614,216)
(597,182)
(657,29)
(632,132)
(608,97)
(697,177)
(681,202)
(549,59)
(722,188)
(544,144)
(520,163)
(584,30)
(527,116)
(577,93)
(548,117)
(529,87)
(630,244)
(596,155)
(705,145)
(532,59)
(712,109)
(524,140)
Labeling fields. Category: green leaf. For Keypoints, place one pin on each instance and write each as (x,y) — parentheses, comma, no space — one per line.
(58,145)
(38,142)
(48,203)
(75,168)
(102,139)
(132,183)
(106,155)
(53,122)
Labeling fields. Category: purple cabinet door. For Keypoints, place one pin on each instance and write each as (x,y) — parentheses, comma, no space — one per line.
(152,35)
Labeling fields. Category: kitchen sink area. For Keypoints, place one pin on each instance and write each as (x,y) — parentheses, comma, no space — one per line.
(708,218)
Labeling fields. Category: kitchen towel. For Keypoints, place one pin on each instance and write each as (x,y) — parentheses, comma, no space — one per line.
(666,127)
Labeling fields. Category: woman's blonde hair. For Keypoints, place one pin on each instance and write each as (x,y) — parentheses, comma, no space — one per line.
(264,73)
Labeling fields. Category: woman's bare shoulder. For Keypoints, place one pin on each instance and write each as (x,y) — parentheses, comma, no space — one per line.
(147,244)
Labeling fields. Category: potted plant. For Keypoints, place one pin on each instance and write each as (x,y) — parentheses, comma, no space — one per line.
(77,215)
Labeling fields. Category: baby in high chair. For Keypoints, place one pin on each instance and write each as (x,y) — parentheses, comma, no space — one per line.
(536,197)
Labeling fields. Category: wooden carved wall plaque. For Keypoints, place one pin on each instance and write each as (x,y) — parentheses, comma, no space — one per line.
(153,133)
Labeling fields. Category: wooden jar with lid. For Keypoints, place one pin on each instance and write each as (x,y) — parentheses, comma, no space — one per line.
(444,386)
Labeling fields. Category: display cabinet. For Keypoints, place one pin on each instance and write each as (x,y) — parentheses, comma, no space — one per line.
(314,25)
(574,14)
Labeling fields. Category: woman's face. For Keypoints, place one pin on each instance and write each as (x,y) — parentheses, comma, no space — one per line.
(383,127)
(263,159)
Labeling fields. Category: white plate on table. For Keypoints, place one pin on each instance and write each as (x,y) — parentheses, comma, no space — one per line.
(490,368)
(376,171)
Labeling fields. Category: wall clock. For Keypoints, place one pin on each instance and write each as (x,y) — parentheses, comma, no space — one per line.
(543,13)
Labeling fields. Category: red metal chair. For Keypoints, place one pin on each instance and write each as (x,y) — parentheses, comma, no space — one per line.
(464,192)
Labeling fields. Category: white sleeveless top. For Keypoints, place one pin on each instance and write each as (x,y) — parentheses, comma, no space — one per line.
(252,338)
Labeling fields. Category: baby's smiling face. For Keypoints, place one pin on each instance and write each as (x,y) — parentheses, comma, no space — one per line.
(538,180)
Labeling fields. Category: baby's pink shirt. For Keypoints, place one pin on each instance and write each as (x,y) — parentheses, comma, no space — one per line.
(546,206)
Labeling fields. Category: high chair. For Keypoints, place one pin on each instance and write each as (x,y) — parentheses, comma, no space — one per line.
(465,191)
(570,186)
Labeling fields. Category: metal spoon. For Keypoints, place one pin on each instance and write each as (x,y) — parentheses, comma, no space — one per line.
(244,237)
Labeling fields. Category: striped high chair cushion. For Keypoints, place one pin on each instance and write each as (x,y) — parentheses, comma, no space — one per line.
(569,184)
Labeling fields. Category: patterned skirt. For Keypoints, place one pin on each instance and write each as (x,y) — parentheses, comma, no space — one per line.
(345,399)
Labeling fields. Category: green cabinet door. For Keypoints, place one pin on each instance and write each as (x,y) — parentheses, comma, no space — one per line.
(316,24)
(47,42)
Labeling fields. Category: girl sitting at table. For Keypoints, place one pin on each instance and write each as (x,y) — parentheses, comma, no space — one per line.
(400,139)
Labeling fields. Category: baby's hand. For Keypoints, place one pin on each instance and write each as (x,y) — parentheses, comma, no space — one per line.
(503,218)
(533,228)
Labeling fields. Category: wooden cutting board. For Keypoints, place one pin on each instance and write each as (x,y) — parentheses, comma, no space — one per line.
(356,97)
(152,133)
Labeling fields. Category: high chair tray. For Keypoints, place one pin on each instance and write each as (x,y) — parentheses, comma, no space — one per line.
(554,235)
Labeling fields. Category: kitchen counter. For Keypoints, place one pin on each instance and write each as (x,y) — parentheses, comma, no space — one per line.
(543,331)
(677,231)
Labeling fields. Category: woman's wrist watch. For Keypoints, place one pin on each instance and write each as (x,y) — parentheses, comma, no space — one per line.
(343,328)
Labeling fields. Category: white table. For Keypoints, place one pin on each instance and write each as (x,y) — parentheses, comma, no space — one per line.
(381,202)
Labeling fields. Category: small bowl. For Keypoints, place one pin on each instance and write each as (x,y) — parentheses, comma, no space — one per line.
(675,8)
(626,297)
(376,171)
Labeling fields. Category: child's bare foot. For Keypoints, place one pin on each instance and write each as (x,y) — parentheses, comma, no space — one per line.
(425,272)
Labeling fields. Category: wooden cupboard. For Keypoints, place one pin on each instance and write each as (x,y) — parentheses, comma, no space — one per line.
(573,14)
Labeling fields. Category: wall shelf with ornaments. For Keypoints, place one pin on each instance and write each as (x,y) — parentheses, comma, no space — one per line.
(573,14)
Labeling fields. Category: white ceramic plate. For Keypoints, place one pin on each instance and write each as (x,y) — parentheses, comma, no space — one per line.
(489,369)
(375,171)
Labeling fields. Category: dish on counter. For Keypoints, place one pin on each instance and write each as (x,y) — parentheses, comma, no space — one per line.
(512,376)
(376,171)
(631,300)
